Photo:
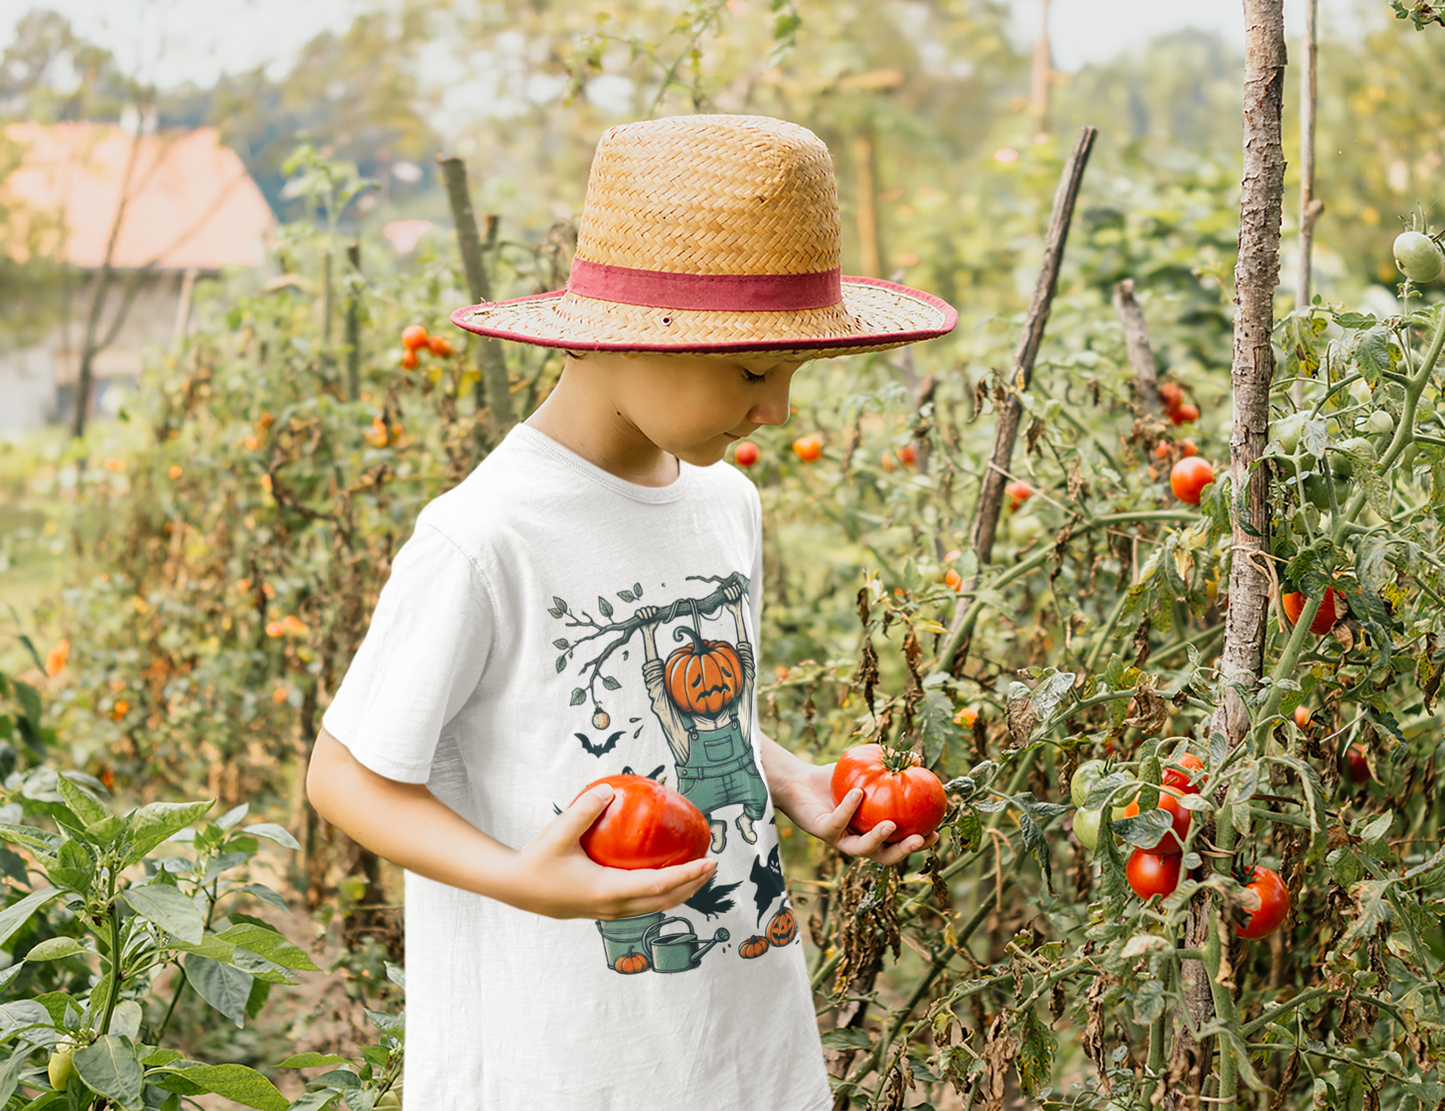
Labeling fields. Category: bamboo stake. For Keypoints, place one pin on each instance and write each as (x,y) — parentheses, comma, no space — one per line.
(1256,274)
(1309,207)
(1141,355)
(497,391)
(990,496)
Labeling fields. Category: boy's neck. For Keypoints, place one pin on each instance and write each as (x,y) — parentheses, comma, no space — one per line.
(581,420)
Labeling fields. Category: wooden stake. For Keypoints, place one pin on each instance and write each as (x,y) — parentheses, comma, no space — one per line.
(1141,355)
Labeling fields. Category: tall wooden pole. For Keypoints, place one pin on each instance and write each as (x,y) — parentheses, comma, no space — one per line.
(1309,207)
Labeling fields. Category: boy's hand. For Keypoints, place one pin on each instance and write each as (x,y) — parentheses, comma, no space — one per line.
(553,876)
(809,804)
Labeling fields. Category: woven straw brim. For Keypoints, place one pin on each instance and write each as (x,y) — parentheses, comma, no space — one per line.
(874,315)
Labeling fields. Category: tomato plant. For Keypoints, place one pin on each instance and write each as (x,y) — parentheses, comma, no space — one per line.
(646,825)
(896,788)
(1187,777)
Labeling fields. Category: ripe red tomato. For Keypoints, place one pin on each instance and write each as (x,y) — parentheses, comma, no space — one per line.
(646,825)
(1018,492)
(1185,414)
(906,455)
(1151,873)
(440,346)
(1172,394)
(413,336)
(1189,477)
(1188,448)
(1188,781)
(911,797)
(746,453)
(1358,763)
(808,448)
(1274,904)
(1173,839)
(1293,604)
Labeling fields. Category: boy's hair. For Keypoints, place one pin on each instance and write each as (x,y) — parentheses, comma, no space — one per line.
(713,235)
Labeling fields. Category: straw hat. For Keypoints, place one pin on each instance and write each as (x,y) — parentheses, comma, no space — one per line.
(713,235)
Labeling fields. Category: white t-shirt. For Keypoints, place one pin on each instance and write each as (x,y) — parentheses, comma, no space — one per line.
(548,624)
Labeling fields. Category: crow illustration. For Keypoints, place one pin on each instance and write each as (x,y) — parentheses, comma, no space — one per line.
(713,900)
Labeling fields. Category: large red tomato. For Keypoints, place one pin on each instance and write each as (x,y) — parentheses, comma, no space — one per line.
(646,825)
(1151,873)
(1293,604)
(1189,477)
(906,794)
(1273,900)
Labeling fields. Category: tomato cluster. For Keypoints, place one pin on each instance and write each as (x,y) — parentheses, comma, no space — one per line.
(1180,412)
(414,339)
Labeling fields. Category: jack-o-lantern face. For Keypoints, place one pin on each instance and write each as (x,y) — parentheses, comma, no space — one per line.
(782,927)
(705,676)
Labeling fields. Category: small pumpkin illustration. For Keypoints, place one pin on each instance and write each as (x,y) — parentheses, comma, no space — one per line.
(754,946)
(782,927)
(705,676)
(601,719)
(631,962)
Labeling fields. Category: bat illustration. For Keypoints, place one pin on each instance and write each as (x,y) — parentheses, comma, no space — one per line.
(767,882)
(712,900)
(653,774)
(601,747)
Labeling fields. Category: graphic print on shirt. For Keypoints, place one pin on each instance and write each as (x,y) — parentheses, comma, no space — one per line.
(701,695)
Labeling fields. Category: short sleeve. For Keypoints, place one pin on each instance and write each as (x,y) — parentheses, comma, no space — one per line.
(421,660)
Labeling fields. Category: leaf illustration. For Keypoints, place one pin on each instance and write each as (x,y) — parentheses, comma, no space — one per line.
(604,605)
(579,696)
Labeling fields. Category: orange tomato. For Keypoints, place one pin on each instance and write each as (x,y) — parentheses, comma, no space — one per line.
(441,347)
(1293,604)
(1185,414)
(1018,492)
(413,336)
(808,448)
(953,580)
(1189,477)
(1302,716)
(410,360)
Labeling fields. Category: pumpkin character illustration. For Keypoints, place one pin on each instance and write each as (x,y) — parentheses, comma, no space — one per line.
(702,695)
(782,927)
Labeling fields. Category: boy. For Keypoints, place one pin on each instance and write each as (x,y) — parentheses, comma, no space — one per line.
(551,621)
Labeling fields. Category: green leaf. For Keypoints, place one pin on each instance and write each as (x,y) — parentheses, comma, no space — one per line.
(936,726)
(88,810)
(1036,843)
(55,949)
(112,1068)
(224,987)
(41,839)
(271,944)
(847,1037)
(579,696)
(316,1101)
(18,913)
(167,908)
(611,683)
(237,1083)
(312,1060)
(273,832)
(152,824)
(266,895)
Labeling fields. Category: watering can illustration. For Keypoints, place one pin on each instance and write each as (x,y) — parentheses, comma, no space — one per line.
(639,943)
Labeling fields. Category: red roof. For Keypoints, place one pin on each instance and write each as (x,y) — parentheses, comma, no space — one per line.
(191,201)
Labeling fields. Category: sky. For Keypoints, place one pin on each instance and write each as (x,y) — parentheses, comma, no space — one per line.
(178,40)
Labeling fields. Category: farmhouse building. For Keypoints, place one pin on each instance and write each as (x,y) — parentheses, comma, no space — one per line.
(168,208)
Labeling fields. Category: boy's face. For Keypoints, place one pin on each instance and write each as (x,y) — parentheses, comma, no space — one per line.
(695,406)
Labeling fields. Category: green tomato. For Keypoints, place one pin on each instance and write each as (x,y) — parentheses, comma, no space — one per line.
(1023,529)
(1288,430)
(1418,256)
(1086,828)
(389,1101)
(1379,423)
(1317,491)
(1360,392)
(1085,776)
(61,1067)
(1341,465)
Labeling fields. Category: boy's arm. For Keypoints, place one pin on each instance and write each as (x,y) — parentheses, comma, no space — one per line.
(550,875)
(804,792)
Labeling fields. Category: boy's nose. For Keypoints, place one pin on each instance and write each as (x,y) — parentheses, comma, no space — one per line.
(774,409)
